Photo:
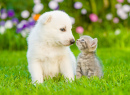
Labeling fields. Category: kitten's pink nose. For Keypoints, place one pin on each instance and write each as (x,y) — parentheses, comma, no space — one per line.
(77,39)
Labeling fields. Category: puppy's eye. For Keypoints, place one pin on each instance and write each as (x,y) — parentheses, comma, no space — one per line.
(62,29)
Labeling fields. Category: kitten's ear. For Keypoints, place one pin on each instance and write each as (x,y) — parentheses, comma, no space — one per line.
(94,43)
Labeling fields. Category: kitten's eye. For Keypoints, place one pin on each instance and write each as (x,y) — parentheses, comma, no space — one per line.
(82,39)
(62,29)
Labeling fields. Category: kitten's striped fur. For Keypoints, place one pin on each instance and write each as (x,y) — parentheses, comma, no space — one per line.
(87,62)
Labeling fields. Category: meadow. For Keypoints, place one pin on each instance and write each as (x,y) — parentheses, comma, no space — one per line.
(16,80)
(107,20)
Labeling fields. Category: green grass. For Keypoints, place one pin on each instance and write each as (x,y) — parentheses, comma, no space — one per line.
(15,78)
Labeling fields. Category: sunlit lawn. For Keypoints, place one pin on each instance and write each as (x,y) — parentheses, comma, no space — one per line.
(15,78)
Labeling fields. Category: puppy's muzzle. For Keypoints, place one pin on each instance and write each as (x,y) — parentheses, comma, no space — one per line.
(72,41)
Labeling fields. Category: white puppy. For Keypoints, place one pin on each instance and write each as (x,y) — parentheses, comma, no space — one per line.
(48,47)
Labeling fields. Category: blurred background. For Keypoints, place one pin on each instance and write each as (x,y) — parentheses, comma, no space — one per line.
(107,20)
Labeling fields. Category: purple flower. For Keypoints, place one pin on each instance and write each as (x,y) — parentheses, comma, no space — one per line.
(15,20)
(10,13)
(32,23)
(115,20)
(57,8)
(93,17)
(25,24)
(2,11)
(2,23)
(77,5)
(18,30)
(22,25)
(3,15)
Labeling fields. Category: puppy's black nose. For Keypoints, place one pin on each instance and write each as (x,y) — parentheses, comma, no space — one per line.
(72,41)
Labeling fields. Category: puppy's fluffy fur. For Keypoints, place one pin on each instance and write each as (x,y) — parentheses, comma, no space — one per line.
(48,47)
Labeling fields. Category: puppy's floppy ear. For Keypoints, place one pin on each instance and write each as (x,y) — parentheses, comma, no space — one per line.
(94,43)
(47,20)
(44,19)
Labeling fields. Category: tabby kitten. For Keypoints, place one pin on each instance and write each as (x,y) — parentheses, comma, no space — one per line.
(87,62)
